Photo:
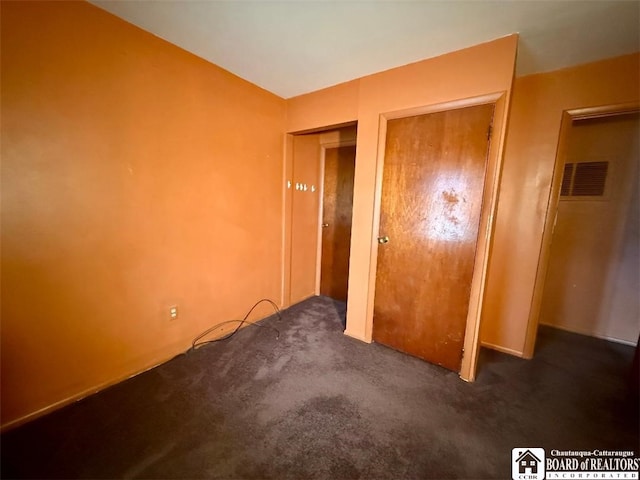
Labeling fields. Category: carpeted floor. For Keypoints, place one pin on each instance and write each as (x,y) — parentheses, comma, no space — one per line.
(315,404)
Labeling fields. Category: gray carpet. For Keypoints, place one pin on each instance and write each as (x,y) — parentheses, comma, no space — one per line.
(315,404)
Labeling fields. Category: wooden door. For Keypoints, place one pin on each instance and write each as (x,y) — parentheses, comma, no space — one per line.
(337,206)
(432,190)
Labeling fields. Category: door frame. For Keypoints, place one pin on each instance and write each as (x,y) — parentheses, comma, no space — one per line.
(487,214)
(323,150)
(287,199)
(568,117)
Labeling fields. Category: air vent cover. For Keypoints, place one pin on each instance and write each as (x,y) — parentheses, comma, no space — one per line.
(567,176)
(584,179)
(589,179)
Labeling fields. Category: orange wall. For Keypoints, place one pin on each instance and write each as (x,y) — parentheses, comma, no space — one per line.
(329,106)
(475,71)
(536,112)
(305,205)
(135,176)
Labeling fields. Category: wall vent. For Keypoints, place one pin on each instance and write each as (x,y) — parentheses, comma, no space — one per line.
(584,179)
(567,176)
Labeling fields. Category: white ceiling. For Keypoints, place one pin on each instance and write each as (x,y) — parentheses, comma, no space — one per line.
(296,46)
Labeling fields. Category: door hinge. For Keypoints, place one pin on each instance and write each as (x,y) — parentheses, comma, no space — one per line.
(489,132)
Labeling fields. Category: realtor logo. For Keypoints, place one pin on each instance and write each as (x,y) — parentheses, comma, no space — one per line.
(527,464)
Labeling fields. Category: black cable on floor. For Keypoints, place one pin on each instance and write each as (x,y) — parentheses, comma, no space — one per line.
(197,344)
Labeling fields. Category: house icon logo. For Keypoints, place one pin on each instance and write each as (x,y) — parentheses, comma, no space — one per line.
(527,464)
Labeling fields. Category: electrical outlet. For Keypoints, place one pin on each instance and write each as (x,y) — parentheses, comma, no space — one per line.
(173,312)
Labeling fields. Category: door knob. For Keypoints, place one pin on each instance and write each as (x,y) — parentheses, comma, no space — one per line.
(382,240)
(325,225)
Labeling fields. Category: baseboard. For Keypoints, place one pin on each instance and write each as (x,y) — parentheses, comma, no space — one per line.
(506,350)
(164,356)
(76,397)
(594,335)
